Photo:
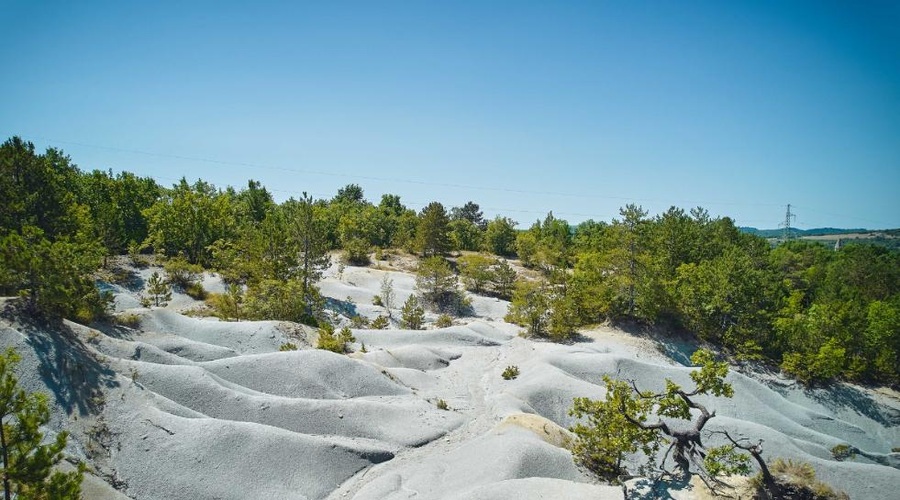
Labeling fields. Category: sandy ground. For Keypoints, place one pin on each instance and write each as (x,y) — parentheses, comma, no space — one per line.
(183,407)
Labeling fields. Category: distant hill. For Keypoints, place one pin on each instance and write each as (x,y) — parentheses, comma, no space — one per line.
(888,238)
(819,231)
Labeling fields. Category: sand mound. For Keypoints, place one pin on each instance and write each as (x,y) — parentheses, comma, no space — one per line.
(313,374)
(182,407)
(414,357)
(510,453)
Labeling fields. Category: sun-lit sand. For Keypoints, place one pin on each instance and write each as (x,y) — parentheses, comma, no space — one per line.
(185,407)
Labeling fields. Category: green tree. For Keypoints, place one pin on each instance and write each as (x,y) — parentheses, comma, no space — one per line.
(546,245)
(350,194)
(500,237)
(437,284)
(627,264)
(309,234)
(631,420)
(412,315)
(530,307)
(503,279)
(229,304)
(469,212)
(357,231)
(190,218)
(115,204)
(158,289)
(40,190)
(54,277)
(27,460)
(465,235)
(476,271)
(725,301)
(882,338)
(282,300)
(254,203)
(330,341)
(433,233)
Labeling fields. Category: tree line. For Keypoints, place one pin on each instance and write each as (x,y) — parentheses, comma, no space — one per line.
(818,313)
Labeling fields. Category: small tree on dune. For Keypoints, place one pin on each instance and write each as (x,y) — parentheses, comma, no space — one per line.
(27,462)
(623,424)
(412,315)
(160,291)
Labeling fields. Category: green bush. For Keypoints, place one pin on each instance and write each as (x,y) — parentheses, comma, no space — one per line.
(376,301)
(843,451)
(288,346)
(359,322)
(196,291)
(442,405)
(330,341)
(182,274)
(380,323)
(798,480)
(511,372)
(444,321)
(130,320)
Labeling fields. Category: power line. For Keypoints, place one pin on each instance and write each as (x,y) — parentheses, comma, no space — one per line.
(397,179)
(442,184)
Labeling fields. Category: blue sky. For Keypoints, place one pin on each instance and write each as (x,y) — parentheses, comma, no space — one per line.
(523,107)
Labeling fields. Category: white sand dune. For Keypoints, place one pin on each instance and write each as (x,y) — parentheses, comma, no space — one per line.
(182,407)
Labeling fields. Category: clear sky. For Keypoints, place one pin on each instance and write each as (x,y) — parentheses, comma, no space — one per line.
(522,107)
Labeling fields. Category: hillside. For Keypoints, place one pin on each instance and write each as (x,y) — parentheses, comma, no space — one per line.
(192,407)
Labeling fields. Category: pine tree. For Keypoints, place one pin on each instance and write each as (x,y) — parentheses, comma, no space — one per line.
(433,234)
(27,463)
(313,250)
(412,315)
(159,290)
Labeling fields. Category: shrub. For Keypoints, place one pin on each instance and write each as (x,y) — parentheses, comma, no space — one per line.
(376,301)
(195,291)
(330,341)
(476,271)
(288,346)
(443,321)
(503,279)
(798,480)
(130,320)
(437,284)
(379,323)
(359,322)
(442,405)
(134,253)
(843,451)
(182,274)
(511,372)
(228,305)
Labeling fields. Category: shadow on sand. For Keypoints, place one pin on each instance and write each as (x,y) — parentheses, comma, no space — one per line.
(840,396)
(67,366)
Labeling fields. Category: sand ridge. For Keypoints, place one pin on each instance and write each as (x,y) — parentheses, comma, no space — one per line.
(184,407)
